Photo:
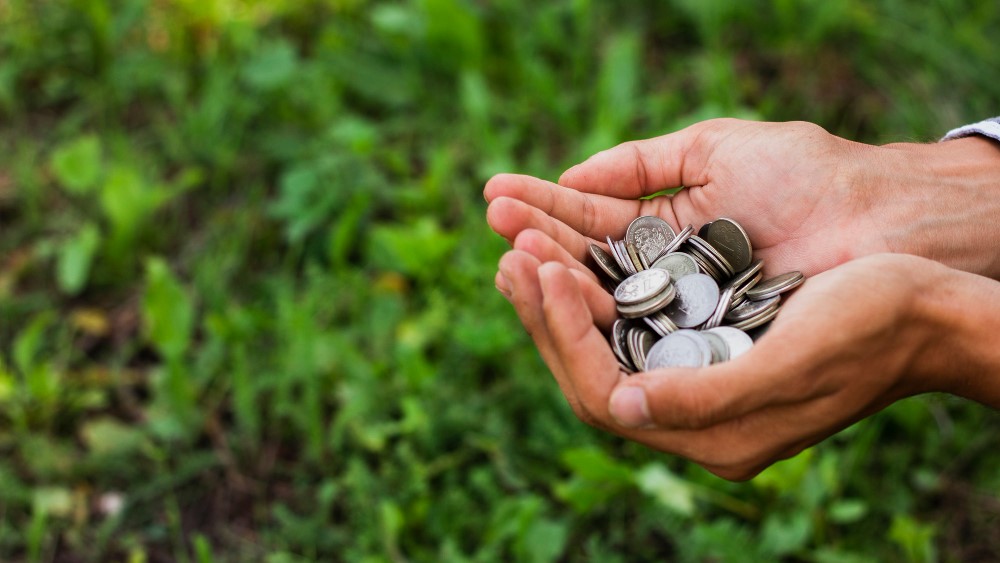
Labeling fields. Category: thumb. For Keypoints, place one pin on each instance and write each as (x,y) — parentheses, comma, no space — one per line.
(639,168)
(695,399)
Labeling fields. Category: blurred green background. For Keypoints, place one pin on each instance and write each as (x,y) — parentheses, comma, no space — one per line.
(246,286)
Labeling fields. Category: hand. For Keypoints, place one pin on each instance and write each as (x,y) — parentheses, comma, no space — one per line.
(849,342)
(809,200)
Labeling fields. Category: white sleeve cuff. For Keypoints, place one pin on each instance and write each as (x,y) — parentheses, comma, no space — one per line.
(988,128)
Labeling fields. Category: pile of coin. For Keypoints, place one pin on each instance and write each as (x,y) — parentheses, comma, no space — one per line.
(687,300)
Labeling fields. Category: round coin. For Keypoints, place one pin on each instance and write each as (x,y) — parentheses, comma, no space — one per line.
(720,348)
(684,348)
(750,309)
(775,286)
(642,286)
(746,275)
(649,235)
(732,242)
(738,341)
(758,320)
(696,300)
(606,263)
(678,264)
(680,239)
(619,343)
(649,306)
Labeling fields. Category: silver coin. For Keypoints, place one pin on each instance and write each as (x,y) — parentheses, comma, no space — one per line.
(678,264)
(731,241)
(697,297)
(642,286)
(660,323)
(639,342)
(750,309)
(627,263)
(737,301)
(680,239)
(650,306)
(712,255)
(738,341)
(606,263)
(629,370)
(720,348)
(703,264)
(613,250)
(758,320)
(619,345)
(746,275)
(684,348)
(720,310)
(638,264)
(742,290)
(649,235)
(776,286)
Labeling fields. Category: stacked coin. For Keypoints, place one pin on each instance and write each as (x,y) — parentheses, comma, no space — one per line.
(687,300)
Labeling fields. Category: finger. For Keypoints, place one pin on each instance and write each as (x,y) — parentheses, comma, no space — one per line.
(600,302)
(595,216)
(589,364)
(542,246)
(520,270)
(684,398)
(509,217)
(638,168)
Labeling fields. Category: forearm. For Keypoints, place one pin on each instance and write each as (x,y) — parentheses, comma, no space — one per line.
(940,201)
(961,354)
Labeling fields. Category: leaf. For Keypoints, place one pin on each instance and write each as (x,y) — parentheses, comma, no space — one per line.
(785,534)
(167,311)
(544,540)
(77,164)
(671,491)
(109,436)
(272,67)
(75,257)
(55,501)
(915,539)
(847,511)
(593,464)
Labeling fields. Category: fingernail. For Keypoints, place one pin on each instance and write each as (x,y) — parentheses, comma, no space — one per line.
(629,407)
(504,286)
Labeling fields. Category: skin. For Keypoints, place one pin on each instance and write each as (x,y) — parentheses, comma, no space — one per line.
(916,325)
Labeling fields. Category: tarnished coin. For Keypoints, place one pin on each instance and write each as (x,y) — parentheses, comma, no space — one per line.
(606,263)
(680,239)
(642,286)
(696,299)
(684,348)
(720,348)
(732,242)
(678,264)
(750,309)
(775,286)
(649,235)
(703,231)
(738,341)
(704,265)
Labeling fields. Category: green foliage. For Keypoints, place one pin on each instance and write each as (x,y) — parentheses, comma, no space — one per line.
(246,309)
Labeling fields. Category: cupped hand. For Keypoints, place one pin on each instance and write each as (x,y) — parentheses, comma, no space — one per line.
(846,344)
(809,200)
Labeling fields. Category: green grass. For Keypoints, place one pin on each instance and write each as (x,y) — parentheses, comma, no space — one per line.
(246,302)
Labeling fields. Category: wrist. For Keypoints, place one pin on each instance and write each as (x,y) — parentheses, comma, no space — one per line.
(959,314)
(939,201)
